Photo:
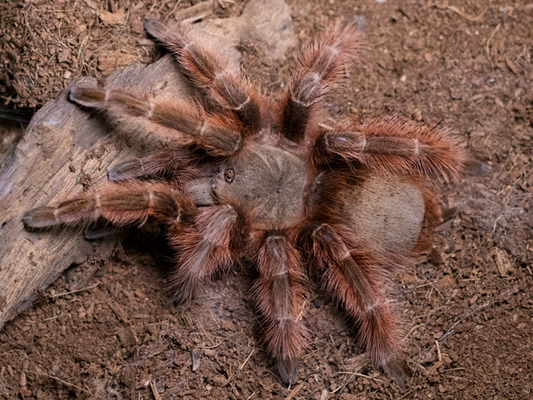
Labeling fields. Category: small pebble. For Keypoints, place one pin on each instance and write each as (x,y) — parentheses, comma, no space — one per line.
(23,381)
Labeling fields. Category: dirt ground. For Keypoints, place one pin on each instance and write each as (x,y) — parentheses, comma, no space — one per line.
(468,310)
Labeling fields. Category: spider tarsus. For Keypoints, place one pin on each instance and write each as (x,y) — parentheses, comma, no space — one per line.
(397,370)
(39,218)
(99,232)
(155,28)
(288,370)
(125,170)
(88,96)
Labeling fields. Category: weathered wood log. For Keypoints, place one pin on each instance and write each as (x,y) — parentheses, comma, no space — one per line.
(63,149)
(66,148)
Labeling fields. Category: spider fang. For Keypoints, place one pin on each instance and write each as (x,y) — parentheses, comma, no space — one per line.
(229,175)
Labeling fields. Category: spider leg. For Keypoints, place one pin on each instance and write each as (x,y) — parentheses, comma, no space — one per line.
(395,144)
(205,245)
(320,65)
(217,135)
(279,294)
(357,281)
(207,66)
(171,162)
(121,204)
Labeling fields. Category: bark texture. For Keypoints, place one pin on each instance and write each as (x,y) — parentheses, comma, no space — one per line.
(64,150)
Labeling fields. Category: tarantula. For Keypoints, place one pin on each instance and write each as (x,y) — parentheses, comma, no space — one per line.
(248,178)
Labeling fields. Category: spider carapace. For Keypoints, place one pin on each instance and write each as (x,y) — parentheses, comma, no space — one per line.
(247,177)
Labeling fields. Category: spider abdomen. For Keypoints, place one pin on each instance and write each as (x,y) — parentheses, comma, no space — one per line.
(383,212)
(386,212)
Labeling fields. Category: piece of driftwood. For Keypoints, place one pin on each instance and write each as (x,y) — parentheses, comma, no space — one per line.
(66,148)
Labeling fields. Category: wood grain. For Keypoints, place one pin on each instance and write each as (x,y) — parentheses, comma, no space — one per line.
(63,147)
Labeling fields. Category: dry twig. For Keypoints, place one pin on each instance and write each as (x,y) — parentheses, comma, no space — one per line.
(73,291)
(294,391)
(487,45)
(64,382)
(247,358)
(154,390)
(462,14)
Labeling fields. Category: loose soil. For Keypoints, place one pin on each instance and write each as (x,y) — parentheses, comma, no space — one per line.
(108,329)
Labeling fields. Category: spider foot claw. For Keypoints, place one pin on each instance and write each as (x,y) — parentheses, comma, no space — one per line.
(288,370)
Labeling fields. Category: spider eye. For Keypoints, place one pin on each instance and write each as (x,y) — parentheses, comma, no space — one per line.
(229,175)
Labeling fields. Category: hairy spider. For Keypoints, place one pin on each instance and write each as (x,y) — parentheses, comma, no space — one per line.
(247,178)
